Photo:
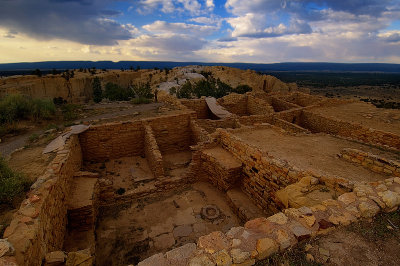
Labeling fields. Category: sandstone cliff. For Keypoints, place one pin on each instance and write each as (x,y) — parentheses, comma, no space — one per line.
(79,89)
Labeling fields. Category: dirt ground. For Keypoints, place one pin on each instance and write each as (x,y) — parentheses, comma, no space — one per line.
(160,223)
(356,92)
(123,172)
(365,114)
(316,152)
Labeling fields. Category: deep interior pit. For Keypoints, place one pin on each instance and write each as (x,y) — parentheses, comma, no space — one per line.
(135,231)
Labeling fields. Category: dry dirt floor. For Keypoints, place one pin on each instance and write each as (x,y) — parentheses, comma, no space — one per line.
(365,114)
(367,243)
(123,172)
(128,234)
(316,152)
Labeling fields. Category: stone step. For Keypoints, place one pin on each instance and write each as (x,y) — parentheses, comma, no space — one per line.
(223,158)
(81,205)
(221,167)
(244,208)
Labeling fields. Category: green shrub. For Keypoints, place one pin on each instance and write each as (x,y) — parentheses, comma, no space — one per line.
(142,90)
(69,111)
(141,100)
(172,91)
(14,107)
(97,91)
(241,89)
(33,137)
(12,184)
(42,109)
(113,92)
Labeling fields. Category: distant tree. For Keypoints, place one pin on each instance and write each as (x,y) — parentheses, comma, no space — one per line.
(97,91)
(55,72)
(131,68)
(137,68)
(37,72)
(122,69)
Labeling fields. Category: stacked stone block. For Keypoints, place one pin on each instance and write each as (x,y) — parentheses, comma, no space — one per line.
(372,162)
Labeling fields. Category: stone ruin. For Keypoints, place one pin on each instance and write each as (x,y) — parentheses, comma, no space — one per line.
(193,189)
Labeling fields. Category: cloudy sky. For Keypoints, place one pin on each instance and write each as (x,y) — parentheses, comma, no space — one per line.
(258,31)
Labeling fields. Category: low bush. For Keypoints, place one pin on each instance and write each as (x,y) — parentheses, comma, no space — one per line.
(141,100)
(16,107)
(69,111)
(210,87)
(12,184)
(113,92)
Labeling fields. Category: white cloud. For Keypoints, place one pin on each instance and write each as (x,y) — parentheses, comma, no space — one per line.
(180,28)
(210,4)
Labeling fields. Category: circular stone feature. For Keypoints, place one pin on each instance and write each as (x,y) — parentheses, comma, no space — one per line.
(210,212)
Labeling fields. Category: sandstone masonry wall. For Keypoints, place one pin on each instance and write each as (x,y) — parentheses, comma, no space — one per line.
(152,152)
(40,224)
(114,140)
(234,103)
(172,132)
(372,162)
(256,106)
(199,106)
(318,123)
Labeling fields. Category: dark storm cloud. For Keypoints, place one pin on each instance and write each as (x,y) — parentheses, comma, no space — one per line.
(83,21)
(312,9)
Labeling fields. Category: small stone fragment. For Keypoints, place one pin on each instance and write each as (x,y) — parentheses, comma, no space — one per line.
(6,248)
(239,256)
(201,260)
(278,218)
(266,247)
(309,257)
(222,258)
(55,258)
(368,209)
(157,259)
(213,242)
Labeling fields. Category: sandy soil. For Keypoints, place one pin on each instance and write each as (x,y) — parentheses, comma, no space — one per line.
(176,164)
(317,152)
(366,115)
(159,223)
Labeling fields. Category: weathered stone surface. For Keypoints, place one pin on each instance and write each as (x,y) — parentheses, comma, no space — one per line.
(283,239)
(182,230)
(239,256)
(164,241)
(180,255)
(213,242)
(368,209)
(201,260)
(55,258)
(222,258)
(348,198)
(266,247)
(278,218)
(300,232)
(391,199)
(6,249)
(81,258)
(157,259)
(260,225)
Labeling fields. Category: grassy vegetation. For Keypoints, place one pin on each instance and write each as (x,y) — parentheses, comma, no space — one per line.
(384,226)
(12,184)
(141,100)
(292,257)
(14,108)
